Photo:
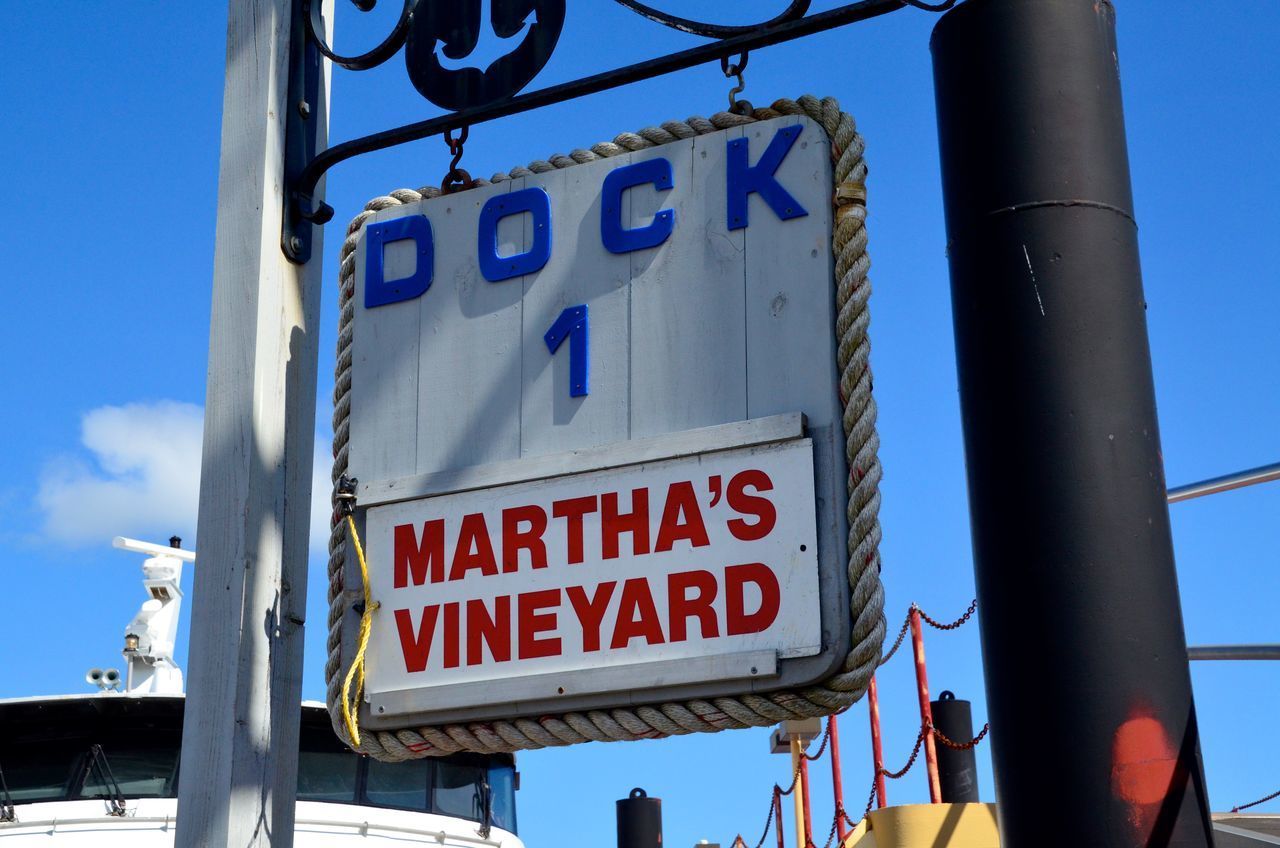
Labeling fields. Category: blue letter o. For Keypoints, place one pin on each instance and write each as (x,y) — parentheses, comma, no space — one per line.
(496,268)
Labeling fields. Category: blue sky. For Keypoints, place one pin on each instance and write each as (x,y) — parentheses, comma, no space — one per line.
(111,122)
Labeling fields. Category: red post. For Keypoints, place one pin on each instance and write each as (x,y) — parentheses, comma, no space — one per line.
(837,784)
(877,752)
(926,712)
(777,814)
(804,788)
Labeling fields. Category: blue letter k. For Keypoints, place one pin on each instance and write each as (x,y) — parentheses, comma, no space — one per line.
(745,180)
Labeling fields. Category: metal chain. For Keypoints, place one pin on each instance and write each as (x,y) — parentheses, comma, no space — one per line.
(826,735)
(963,746)
(457,179)
(835,825)
(906,624)
(973,607)
(737,107)
(1275,794)
(795,779)
(915,752)
(871,800)
(768,823)
(897,643)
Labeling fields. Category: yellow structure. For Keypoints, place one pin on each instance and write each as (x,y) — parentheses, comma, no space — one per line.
(797,794)
(928,826)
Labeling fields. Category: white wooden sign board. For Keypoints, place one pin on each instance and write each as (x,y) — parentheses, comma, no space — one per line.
(709,354)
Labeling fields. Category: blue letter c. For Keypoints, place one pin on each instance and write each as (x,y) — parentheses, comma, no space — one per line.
(618,239)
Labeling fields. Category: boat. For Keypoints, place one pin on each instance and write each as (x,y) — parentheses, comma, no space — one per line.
(103,768)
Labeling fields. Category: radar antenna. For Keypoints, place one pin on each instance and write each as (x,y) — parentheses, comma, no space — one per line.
(149,638)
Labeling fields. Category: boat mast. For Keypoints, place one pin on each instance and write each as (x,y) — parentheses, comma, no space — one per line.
(149,638)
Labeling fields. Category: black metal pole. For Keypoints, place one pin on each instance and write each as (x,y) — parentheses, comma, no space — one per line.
(957,769)
(639,821)
(1093,728)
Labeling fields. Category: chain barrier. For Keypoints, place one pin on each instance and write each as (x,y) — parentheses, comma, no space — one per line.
(932,622)
(925,730)
(831,835)
(826,736)
(915,752)
(973,607)
(1273,795)
(871,795)
(841,813)
(871,799)
(778,791)
(768,823)
(897,643)
(963,746)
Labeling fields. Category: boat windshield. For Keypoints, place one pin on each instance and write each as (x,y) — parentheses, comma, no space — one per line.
(46,754)
(448,786)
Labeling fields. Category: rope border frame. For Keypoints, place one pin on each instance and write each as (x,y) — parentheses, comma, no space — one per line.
(833,695)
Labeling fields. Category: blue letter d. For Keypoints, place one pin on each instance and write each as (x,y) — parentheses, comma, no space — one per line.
(379,291)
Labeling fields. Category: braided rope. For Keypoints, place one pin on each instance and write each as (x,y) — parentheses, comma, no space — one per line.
(866,602)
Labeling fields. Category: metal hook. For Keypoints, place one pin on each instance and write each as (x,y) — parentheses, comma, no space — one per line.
(345,495)
(458,179)
(738,107)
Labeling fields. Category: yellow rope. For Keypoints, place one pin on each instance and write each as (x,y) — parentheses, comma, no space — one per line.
(350,701)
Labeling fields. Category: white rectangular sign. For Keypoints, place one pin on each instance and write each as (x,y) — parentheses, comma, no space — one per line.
(632,300)
(673,560)
(723,320)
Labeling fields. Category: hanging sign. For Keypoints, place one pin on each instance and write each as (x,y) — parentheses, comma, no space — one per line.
(646,568)
(594,419)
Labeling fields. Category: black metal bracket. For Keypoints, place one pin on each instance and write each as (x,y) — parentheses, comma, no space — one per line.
(429,20)
(301,114)
(345,495)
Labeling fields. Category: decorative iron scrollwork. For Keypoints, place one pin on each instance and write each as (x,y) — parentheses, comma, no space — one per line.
(797,9)
(440,31)
(375,57)
(438,36)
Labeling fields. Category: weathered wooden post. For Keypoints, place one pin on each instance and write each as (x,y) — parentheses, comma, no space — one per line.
(240,737)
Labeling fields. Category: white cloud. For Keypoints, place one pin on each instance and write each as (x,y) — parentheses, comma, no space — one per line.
(142,478)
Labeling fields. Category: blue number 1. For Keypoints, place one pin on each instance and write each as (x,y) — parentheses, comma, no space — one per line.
(572,323)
